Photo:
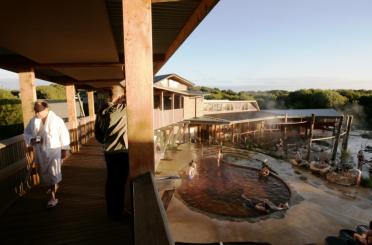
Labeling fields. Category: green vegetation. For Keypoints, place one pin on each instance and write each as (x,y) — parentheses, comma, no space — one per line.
(366,182)
(10,115)
(355,102)
(51,92)
(11,121)
(6,94)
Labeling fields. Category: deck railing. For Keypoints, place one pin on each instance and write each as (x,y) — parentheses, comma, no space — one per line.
(82,133)
(167,117)
(16,162)
(213,107)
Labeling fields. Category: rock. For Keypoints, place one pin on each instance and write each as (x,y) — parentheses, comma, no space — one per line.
(319,167)
(347,178)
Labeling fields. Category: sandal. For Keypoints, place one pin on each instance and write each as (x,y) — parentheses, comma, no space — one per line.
(52,203)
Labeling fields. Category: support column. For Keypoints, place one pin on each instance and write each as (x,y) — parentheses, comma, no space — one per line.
(312,122)
(173,98)
(137,23)
(346,137)
(232,133)
(162,107)
(188,131)
(90,96)
(72,117)
(27,93)
(337,140)
(285,125)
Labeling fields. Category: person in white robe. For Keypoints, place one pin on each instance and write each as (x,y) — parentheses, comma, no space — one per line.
(50,139)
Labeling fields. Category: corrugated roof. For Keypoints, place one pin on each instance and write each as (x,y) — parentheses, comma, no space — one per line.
(306,112)
(245,116)
(207,120)
(251,116)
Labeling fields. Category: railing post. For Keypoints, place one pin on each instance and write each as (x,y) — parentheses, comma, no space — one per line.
(310,137)
(346,137)
(335,146)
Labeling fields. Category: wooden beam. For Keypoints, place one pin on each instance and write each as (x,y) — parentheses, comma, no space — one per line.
(202,10)
(137,23)
(90,95)
(27,94)
(165,1)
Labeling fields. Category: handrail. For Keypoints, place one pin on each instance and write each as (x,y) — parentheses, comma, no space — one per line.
(16,162)
(150,224)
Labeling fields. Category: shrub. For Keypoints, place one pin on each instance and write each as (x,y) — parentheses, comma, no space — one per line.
(6,94)
(10,112)
(366,182)
(53,92)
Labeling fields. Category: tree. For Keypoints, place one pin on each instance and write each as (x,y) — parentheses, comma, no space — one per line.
(6,94)
(52,92)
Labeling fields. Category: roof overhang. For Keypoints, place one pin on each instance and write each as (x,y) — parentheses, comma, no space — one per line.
(81,42)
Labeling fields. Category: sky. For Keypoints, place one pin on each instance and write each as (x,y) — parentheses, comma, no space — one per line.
(275,44)
(286,44)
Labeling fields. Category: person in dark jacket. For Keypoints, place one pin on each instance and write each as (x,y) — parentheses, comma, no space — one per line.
(111,131)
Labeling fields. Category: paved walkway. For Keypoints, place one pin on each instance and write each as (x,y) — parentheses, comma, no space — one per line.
(80,217)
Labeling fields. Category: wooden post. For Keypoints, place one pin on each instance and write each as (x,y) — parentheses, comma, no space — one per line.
(188,131)
(91,105)
(310,137)
(27,94)
(285,125)
(162,107)
(72,116)
(346,137)
(335,146)
(173,98)
(214,133)
(137,25)
(232,133)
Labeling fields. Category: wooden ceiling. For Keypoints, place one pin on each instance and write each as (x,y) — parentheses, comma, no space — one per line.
(81,41)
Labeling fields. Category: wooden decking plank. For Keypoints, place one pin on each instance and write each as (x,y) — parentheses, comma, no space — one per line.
(80,217)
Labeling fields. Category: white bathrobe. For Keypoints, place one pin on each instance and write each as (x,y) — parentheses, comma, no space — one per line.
(54,138)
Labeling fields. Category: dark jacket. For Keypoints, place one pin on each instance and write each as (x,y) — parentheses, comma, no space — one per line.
(111,128)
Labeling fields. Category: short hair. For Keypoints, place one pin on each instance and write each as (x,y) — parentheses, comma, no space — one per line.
(116,91)
(40,106)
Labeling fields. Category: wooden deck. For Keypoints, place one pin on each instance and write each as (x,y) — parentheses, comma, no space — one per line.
(80,217)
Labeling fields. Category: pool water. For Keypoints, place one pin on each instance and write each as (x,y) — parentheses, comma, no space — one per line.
(217,188)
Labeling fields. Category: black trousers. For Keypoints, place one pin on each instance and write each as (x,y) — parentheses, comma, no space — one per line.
(117,175)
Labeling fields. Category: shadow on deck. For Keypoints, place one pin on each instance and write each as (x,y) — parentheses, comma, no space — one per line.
(79,218)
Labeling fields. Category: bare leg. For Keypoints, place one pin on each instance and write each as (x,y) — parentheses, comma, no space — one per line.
(53,192)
